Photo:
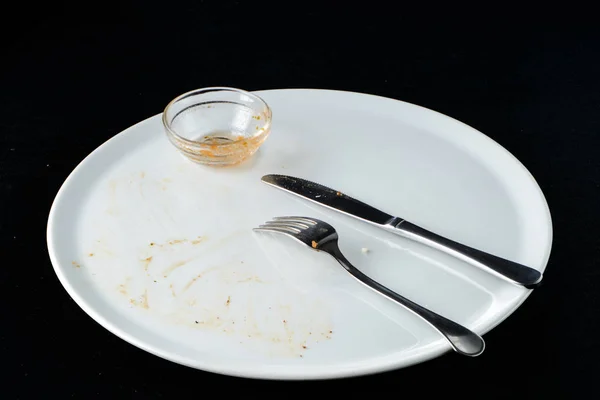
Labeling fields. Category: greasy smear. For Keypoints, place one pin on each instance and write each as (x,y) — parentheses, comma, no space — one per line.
(190,283)
(251,279)
(142,302)
(122,288)
(174,266)
(146,262)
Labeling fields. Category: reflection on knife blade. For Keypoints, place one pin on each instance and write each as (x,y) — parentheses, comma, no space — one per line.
(330,198)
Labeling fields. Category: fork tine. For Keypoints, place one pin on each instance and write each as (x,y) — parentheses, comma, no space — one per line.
(292,224)
(296,219)
(277,229)
(282,226)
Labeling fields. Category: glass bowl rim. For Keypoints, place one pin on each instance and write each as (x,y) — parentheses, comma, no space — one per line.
(171,132)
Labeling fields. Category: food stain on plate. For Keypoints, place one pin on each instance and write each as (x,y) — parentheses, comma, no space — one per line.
(174,266)
(201,282)
(171,280)
(135,182)
(141,301)
(271,325)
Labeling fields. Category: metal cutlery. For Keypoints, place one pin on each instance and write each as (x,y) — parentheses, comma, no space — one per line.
(319,235)
(514,272)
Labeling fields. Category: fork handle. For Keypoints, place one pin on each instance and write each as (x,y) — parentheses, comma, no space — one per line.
(514,272)
(462,340)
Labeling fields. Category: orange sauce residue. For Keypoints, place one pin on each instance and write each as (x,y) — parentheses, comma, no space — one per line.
(223,150)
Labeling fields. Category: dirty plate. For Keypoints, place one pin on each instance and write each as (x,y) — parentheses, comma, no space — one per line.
(161,252)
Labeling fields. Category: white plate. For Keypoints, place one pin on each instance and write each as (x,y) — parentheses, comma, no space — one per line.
(160,251)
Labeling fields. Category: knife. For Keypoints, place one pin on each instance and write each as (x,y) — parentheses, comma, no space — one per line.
(338,201)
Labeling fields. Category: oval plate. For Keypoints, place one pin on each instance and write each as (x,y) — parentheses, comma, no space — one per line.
(161,252)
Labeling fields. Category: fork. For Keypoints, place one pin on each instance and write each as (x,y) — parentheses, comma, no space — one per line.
(319,235)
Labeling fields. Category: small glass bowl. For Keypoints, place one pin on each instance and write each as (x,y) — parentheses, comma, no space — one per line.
(217,126)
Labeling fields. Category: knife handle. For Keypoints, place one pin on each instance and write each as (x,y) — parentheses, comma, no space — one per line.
(515,272)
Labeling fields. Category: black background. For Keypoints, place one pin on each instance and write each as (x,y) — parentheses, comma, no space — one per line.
(72,77)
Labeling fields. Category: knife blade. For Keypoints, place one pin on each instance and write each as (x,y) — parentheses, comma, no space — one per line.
(334,199)
(330,198)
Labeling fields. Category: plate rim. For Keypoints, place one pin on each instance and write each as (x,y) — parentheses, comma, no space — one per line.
(386,363)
